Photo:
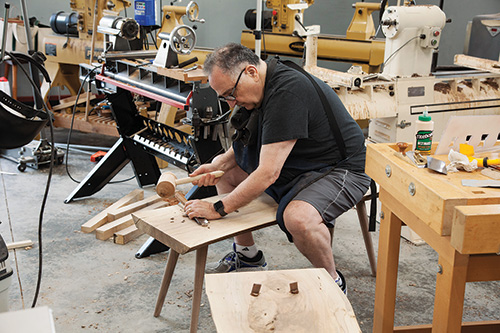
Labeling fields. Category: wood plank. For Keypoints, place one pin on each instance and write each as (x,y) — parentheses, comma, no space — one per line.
(319,306)
(473,223)
(70,101)
(477,63)
(20,244)
(134,207)
(95,124)
(106,231)
(483,267)
(102,217)
(181,75)
(126,235)
(170,226)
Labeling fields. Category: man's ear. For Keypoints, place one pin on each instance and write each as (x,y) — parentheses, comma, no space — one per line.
(253,72)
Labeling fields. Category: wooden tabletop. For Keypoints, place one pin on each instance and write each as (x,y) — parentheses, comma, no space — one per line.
(435,194)
(319,306)
(170,226)
(437,199)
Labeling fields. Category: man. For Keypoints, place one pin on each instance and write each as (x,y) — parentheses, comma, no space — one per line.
(290,152)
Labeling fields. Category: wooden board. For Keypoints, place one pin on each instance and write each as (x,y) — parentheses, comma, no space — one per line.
(102,217)
(170,226)
(181,75)
(70,101)
(133,207)
(476,229)
(126,235)
(106,231)
(477,63)
(319,306)
(435,195)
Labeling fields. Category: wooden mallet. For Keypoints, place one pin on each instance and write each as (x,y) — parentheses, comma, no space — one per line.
(168,182)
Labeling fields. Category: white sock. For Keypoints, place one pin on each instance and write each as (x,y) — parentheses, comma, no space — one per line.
(247,251)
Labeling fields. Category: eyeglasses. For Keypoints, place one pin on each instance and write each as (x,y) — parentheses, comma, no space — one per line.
(231,97)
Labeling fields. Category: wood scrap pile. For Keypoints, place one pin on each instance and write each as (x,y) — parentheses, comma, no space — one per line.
(116,221)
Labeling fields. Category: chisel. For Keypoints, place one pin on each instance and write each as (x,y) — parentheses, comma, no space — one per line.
(182,201)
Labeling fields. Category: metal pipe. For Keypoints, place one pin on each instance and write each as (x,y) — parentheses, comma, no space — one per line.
(27,27)
(258,28)
(131,54)
(5,28)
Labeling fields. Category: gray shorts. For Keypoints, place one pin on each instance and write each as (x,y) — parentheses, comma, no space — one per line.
(335,193)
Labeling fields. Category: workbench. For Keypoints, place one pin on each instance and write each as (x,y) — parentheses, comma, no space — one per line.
(462,224)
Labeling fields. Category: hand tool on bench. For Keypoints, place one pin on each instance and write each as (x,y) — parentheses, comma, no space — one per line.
(182,201)
(429,162)
(468,150)
(168,182)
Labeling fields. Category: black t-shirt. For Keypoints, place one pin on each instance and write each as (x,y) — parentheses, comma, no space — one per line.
(291,109)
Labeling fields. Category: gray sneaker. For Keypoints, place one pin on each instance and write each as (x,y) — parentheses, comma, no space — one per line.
(235,261)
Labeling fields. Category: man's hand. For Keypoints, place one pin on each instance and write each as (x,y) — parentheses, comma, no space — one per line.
(208,179)
(200,208)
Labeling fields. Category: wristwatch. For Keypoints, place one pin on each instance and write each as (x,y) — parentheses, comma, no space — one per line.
(219,208)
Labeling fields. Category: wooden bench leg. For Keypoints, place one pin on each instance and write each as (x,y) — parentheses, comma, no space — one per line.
(363,221)
(199,275)
(165,283)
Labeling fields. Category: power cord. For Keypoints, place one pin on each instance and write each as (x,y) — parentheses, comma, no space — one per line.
(49,178)
(399,48)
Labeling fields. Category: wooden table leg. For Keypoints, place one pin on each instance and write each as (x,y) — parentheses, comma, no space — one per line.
(450,293)
(199,275)
(165,283)
(387,272)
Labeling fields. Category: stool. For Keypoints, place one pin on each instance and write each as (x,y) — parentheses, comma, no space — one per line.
(169,226)
(296,300)
(363,222)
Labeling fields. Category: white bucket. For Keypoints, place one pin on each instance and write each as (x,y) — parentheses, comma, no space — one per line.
(5,281)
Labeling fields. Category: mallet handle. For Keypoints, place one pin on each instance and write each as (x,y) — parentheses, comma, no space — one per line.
(186,180)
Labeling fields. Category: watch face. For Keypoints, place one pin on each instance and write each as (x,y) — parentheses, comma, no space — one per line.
(219,208)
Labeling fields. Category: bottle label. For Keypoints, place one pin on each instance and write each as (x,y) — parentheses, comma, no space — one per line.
(423,141)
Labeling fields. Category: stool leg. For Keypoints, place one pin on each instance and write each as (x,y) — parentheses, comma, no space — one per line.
(199,275)
(363,221)
(165,283)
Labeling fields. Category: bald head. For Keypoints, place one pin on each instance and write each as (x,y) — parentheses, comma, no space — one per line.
(230,58)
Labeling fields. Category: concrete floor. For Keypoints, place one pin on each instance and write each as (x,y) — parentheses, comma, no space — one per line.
(100,286)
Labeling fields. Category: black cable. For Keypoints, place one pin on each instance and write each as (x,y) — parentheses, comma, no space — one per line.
(73,120)
(399,48)
(49,178)
(71,130)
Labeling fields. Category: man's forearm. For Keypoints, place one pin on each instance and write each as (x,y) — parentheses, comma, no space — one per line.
(248,190)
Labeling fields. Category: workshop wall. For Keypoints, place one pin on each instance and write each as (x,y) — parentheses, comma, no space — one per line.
(225,19)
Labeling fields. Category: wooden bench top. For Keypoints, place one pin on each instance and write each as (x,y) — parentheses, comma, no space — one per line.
(319,306)
(170,226)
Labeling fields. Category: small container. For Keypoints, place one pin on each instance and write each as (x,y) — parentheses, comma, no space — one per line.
(423,134)
(4,85)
